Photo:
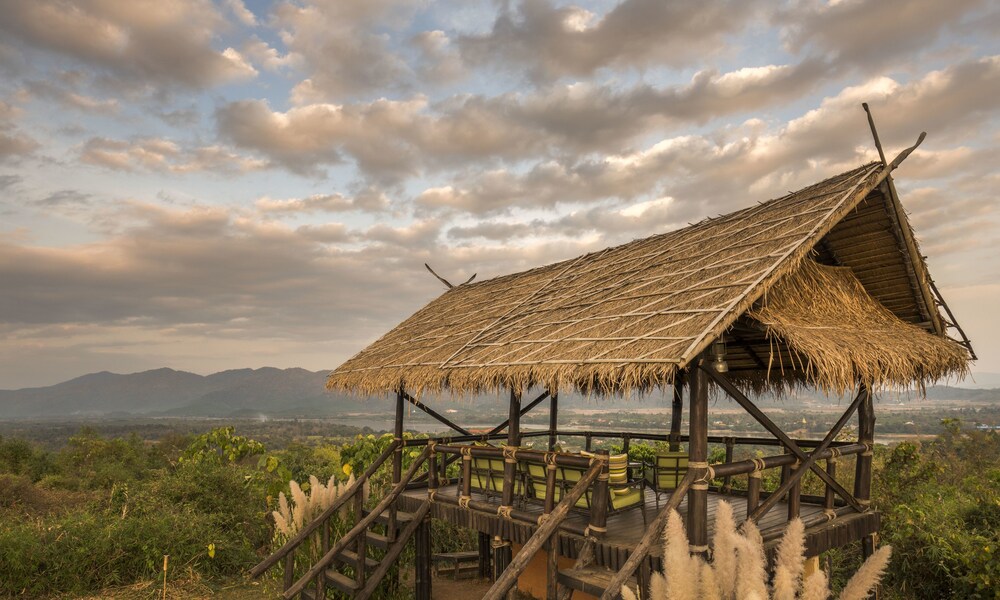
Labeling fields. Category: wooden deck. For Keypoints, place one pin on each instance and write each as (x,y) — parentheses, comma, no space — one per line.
(626,528)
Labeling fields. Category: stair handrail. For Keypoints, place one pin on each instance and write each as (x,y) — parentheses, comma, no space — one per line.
(650,538)
(316,523)
(359,528)
(548,526)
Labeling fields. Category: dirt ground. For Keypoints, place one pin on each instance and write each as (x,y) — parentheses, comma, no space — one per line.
(443,588)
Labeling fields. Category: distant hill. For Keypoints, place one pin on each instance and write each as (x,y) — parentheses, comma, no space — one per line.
(301,393)
(240,392)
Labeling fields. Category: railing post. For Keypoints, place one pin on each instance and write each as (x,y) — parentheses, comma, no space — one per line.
(589,441)
(697,521)
(794,494)
(362,545)
(289,575)
(831,469)
(753,491)
(727,481)
(599,499)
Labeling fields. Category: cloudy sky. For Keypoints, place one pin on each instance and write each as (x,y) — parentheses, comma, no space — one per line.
(210,185)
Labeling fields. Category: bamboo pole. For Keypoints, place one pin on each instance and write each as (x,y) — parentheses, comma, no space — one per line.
(697,512)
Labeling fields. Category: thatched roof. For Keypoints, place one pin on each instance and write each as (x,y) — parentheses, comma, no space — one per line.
(630,316)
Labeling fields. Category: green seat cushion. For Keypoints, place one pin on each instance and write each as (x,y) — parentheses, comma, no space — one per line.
(625,497)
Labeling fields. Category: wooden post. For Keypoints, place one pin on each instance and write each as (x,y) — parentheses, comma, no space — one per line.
(552,568)
(697,517)
(676,408)
(423,560)
(794,494)
(589,441)
(753,492)
(599,500)
(553,420)
(484,556)
(502,553)
(863,470)
(830,495)
(866,435)
(397,459)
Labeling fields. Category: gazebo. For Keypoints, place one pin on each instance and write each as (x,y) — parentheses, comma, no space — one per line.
(824,287)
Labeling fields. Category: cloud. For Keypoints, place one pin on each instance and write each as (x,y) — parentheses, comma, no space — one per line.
(145,41)
(855,33)
(343,46)
(162,155)
(70,98)
(557,41)
(14,145)
(368,201)
(241,12)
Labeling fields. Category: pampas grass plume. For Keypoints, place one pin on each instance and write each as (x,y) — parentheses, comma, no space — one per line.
(816,587)
(789,561)
(724,550)
(868,575)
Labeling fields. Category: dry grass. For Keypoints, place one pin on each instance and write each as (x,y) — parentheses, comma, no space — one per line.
(626,318)
(840,335)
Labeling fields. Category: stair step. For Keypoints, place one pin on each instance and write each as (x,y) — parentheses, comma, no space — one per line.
(350,557)
(341,582)
(402,517)
(377,539)
(591,580)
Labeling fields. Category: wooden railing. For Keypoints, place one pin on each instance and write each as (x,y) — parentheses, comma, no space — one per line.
(548,524)
(317,571)
(287,551)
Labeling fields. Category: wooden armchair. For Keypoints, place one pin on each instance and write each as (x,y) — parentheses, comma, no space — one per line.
(622,494)
(666,471)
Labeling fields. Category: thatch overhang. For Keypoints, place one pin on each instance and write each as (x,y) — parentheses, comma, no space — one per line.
(631,316)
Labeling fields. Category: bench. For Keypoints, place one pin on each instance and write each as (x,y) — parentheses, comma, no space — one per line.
(459,562)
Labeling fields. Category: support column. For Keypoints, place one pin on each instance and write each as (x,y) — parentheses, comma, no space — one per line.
(422,542)
(676,408)
(502,552)
(397,459)
(697,516)
(863,470)
(484,557)
(553,419)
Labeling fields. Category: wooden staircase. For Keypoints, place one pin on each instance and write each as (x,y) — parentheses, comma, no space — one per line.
(356,564)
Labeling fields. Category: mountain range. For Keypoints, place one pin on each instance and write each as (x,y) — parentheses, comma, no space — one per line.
(268,391)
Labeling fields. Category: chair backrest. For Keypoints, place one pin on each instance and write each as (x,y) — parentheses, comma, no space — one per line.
(670,468)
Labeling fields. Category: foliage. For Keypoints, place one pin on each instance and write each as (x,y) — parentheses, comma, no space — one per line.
(220,445)
(941,502)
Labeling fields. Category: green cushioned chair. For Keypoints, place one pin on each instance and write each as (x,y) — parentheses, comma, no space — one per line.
(621,495)
(487,477)
(666,472)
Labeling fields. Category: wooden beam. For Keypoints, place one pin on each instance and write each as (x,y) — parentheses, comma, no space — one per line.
(796,474)
(433,413)
(553,420)
(776,431)
(676,413)
(522,412)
